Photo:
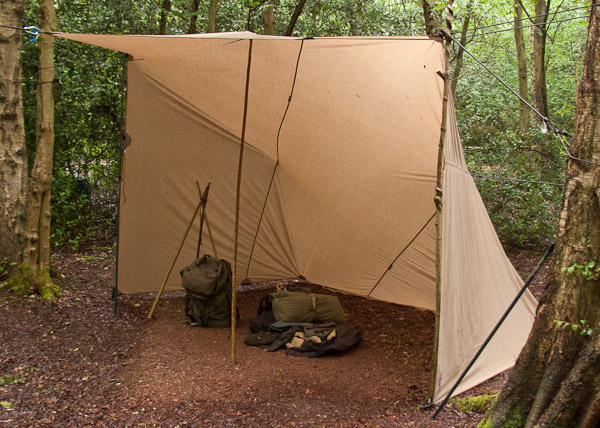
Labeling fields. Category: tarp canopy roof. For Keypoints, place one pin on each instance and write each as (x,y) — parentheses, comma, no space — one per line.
(338,178)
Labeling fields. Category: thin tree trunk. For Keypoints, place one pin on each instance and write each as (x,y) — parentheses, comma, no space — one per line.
(429,22)
(297,11)
(212,16)
(164,10)
(193,16)
(538,59)
(13,155)
(521,68)
(269,19)
(463,42)
(354,16)
(555,382)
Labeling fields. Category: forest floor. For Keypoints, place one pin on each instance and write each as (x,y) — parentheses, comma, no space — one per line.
(72,363)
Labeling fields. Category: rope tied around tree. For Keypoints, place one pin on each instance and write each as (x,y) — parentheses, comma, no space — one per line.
(33,31)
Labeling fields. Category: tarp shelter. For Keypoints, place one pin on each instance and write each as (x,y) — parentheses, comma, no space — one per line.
(338,178)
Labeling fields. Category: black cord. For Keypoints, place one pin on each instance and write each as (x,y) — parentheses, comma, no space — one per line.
(526,26)
(512,21)
(520,180)
(544,118)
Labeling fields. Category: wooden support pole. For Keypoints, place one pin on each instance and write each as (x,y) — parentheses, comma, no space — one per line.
(164,283)
(439,198)
(210,235)
(203,201)
(237,210)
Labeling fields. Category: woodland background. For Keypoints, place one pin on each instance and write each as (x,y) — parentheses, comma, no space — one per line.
(518,156)
(518,168)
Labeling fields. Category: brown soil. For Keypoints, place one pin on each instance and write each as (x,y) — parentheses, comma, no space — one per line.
(71,362)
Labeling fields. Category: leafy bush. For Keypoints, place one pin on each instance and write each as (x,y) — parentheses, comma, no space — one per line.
(75,217)
(521,191)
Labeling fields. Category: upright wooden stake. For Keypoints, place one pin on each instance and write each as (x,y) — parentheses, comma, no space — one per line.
(237,211)
(164,283)
(210,236)
(438,199)
(203,201)
(205,217)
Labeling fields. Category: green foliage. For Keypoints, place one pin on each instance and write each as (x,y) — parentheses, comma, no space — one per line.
(70,210)
(5,268)
(523,212)
(18,377)
(520,188)
(583,328)
(88,120)
(476,404)
(6,404)
(90,100)
(589,270)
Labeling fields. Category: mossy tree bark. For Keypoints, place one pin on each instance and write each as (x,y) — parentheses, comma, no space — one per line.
(34,273)
(556,381)
(13,154)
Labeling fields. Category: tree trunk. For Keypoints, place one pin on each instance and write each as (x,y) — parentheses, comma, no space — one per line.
(556,381)
(212,16)
(34,274)
(164,10)
(13,155)
(297,11)
(521,68)
(429,22)
(354,16)
(269,19)
(463,42)
(538,59)
(195,4)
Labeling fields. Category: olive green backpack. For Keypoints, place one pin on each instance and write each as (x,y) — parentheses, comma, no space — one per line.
(208,292)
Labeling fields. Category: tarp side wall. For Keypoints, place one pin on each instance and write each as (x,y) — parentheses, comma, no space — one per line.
(478,283)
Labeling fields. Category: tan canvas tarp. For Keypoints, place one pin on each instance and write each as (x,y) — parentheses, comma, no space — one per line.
(338,177)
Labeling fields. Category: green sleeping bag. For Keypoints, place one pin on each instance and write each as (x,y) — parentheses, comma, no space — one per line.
(299,307)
